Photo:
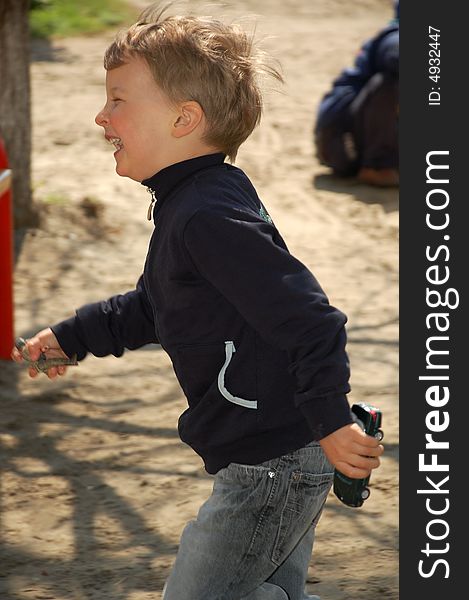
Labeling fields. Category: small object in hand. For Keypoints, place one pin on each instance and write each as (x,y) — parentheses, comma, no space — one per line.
(353,492)
(42,364)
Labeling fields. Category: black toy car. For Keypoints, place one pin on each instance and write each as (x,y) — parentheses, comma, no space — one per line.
(353,492)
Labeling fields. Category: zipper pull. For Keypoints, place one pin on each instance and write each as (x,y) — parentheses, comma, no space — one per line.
(152,203)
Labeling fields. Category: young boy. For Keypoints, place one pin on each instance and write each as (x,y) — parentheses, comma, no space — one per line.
(257,348)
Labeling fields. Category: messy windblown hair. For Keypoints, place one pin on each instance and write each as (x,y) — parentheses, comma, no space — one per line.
(204,60)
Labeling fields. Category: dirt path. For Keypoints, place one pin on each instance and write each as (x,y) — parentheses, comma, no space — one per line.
(96,485)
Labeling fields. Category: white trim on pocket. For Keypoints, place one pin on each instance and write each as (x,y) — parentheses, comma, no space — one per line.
(229,350)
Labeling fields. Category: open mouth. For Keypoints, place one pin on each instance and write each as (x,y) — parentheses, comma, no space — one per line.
(116,142)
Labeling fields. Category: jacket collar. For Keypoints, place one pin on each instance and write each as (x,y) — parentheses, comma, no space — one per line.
(163,182)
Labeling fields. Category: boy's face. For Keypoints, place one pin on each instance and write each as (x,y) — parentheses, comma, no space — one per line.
(138,119)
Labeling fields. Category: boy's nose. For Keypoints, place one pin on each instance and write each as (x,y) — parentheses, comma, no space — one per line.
(101,118)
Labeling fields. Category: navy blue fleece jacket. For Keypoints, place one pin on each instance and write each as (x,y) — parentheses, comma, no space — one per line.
(258,350)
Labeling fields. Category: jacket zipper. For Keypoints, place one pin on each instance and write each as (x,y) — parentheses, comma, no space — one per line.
(152,203)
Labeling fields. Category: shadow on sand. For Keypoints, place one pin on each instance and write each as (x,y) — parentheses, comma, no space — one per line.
(388,198)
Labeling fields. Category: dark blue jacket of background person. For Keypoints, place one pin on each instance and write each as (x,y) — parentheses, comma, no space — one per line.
(258,350)
(346,108)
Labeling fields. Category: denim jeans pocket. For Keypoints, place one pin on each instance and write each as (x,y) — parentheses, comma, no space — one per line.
(306,496)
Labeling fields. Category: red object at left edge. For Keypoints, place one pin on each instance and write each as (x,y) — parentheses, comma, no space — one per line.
(6,257)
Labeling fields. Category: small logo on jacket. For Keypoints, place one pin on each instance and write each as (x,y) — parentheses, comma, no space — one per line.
(265,215)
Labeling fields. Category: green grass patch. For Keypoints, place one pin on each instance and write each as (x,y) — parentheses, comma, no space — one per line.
(56,199)
(63,18)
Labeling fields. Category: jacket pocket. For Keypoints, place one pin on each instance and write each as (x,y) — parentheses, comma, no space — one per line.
(220,389)
(212,372)
(230,349)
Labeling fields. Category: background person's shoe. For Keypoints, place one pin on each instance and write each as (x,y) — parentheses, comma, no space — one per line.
(379,177)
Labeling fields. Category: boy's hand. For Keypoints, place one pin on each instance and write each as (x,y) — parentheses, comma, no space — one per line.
(352,451)
(43,342)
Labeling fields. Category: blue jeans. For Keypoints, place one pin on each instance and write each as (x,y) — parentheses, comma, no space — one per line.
(253,538)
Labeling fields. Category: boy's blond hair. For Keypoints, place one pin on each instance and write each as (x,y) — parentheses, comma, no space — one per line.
(204,60)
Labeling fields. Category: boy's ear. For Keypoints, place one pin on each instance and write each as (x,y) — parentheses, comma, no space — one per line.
(190,115)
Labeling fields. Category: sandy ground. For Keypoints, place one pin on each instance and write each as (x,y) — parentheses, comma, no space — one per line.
(96,486)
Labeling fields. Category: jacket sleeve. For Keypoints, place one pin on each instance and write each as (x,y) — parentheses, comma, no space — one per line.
(247,261)
(110,326)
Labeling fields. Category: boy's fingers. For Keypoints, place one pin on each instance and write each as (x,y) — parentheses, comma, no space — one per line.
(367,439)
(370,450)
(380,449)
(366,462)
(16,355)
(359,467)
(52,372)
(34,348)
(24,350)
